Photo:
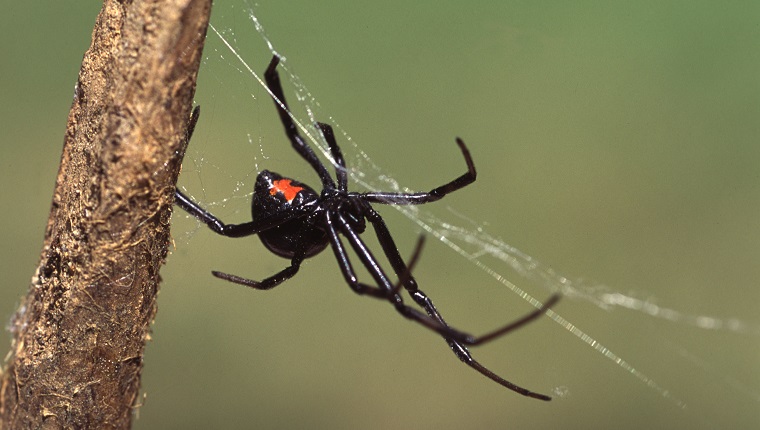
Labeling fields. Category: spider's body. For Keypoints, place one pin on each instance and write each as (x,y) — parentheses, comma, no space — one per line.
(294,221)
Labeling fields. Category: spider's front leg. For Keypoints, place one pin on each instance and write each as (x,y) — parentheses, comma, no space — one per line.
(272,79)
(433,195)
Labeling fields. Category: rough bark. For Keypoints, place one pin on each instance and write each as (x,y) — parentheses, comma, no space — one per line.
(79,335)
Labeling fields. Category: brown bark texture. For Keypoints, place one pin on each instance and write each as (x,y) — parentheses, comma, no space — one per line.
(79,334)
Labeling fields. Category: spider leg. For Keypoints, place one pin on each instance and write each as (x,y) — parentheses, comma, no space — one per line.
(194,209)
(241,230)
(268,283)
(403,271)
(432,195)
(404,277)
(231,230)
(299,254)
(196,113)
(345,264)
(340,170)
(464,355)
(272,79)
(389,290)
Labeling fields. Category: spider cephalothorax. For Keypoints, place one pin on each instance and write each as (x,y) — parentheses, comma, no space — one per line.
(294,221)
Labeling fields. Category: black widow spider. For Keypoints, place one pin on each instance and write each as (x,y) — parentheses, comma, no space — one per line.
(294,221)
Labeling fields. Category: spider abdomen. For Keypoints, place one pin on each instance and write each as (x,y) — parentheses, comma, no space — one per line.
(275,195)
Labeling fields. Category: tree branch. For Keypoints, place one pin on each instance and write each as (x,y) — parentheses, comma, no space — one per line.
(79,335)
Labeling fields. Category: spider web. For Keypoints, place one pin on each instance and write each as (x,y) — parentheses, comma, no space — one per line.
(469,238)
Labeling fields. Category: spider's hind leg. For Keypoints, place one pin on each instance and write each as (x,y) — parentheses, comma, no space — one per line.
(266,284)
(274,280)
(456,339)
(463,353)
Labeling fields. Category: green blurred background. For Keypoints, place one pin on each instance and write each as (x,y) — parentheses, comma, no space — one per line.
(615,142)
